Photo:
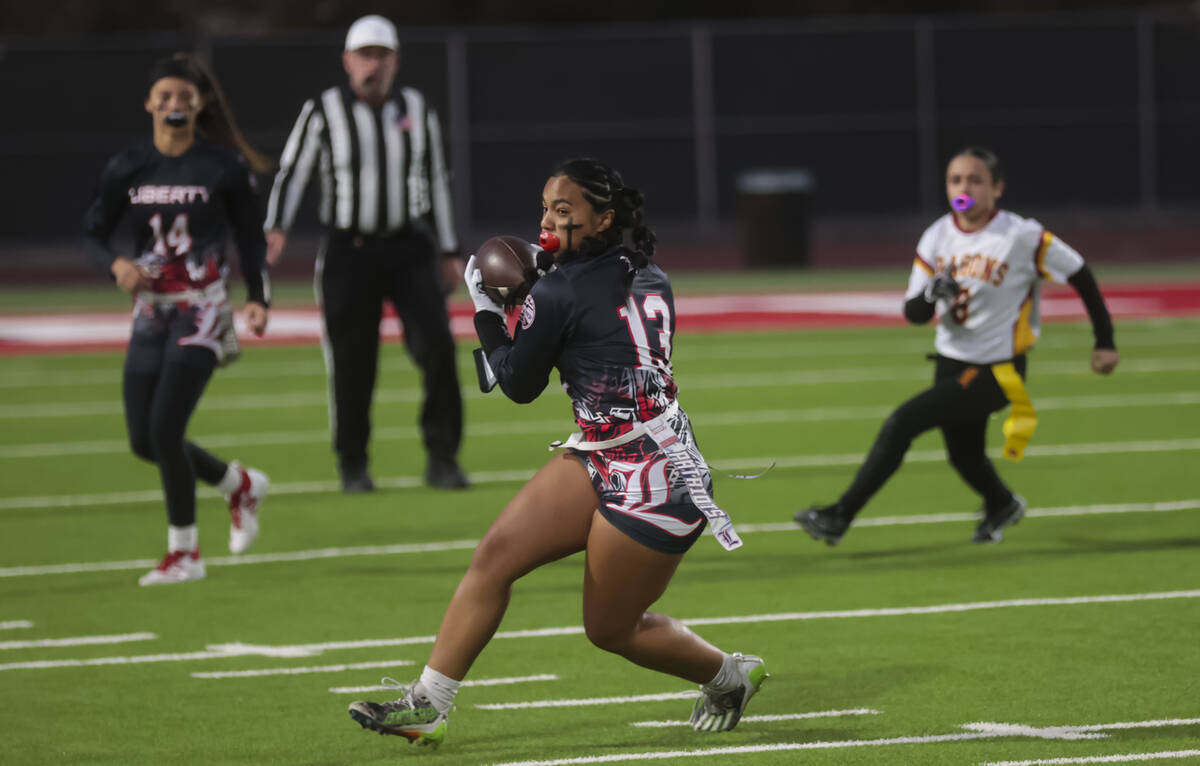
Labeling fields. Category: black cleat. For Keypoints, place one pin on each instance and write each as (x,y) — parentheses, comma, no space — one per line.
(444,473)
(823,522)
(356,481)
(991,529)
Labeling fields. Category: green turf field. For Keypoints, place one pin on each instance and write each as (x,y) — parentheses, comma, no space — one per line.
(876,654)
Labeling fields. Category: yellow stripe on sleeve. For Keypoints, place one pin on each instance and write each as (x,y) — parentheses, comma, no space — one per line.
(920,263)
(1039,257)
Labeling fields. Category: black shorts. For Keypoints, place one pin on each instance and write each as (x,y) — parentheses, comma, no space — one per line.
(641,495)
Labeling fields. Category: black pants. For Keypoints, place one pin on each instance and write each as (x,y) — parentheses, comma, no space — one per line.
(962,397)
(355,275)
(161,386)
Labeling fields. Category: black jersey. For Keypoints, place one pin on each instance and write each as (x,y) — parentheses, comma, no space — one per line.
(183,210)
(610,341)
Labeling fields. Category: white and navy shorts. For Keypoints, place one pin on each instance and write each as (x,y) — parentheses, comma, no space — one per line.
(641,495)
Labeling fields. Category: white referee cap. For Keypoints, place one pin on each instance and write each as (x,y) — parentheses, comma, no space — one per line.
(372,30)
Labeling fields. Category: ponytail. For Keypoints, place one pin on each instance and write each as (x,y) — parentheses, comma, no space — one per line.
(215,121)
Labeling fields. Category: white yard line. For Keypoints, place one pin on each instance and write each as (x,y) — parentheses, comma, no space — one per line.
(215,651)
(739,381)
(247,558)
(1037,732)
(940,518)
(999,730)
(890,374)
(43,643)
(303,670)
(554,426)
(750,749)
(452,545)
(475,682)
(939,455)
(1153,724)
(943,608)
(281,488)
(15,624)
(1126,758)
(489,477)
(223,651)
(768,718)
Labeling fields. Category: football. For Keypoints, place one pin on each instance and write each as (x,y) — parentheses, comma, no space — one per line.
(509,268)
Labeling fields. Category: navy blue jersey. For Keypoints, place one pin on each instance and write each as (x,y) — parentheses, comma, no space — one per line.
(183,210)
(610,340)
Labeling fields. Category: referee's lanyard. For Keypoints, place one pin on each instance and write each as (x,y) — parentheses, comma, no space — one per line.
(1022,420)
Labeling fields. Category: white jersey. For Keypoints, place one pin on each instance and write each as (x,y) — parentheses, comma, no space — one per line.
(998,269)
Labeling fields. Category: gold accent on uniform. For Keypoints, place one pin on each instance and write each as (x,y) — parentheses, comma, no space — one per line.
(920,263)
(1022,420)
(1039,255)
(1023,337)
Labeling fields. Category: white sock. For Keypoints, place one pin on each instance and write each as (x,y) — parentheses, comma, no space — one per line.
(182,538)
(232,480)
(727,677)
(440,689)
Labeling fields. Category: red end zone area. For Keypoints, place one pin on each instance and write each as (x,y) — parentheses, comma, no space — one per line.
(59,333)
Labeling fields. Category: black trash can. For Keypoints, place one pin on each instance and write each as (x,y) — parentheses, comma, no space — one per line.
(776,216)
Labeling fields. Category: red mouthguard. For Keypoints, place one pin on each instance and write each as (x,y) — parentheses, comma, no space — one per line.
(549,241)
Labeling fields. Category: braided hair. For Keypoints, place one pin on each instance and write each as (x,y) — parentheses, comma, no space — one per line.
(604,189)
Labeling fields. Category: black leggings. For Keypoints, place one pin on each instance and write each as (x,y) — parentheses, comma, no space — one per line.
(162,384)
(962,397)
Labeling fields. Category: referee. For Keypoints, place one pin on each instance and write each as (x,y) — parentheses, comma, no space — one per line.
(385,202)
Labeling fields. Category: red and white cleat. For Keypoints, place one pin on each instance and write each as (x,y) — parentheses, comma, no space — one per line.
(243,507)
(176,566)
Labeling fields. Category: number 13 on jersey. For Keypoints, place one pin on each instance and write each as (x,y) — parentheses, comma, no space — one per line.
(654,309)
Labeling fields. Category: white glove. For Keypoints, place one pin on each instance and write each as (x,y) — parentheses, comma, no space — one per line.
(474,279)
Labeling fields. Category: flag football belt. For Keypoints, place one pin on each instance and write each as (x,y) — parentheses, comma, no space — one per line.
(687,467)
(216,331)
(214,293)
(1022,420)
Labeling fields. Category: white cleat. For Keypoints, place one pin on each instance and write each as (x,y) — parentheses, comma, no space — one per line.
(176,567)
(243,507)
(721,710)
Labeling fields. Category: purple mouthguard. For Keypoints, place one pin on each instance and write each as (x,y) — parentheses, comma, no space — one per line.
(962,203)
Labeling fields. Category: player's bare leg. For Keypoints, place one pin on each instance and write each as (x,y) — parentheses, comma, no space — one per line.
(622,579)
(548,519)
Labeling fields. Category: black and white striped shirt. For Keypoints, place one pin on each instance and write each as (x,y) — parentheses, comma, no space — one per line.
(381,168)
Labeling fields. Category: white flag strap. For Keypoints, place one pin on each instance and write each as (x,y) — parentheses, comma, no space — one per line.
(691,470)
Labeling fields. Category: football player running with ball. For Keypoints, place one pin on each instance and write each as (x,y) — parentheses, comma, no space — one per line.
(631,489)
(980,267)
(184,192)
